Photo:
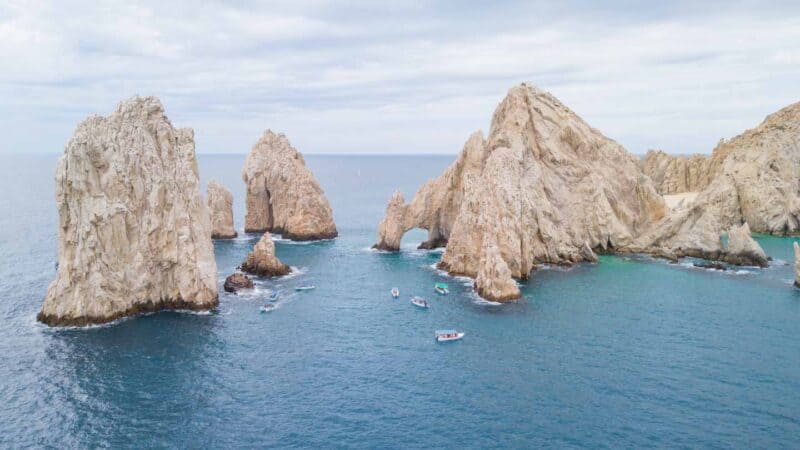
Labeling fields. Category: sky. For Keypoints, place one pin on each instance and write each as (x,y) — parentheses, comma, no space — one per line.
(415,77)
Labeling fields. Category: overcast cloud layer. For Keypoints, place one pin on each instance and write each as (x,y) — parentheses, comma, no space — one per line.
(418,78)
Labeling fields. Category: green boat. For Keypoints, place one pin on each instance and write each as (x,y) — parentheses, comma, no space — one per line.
(441,288)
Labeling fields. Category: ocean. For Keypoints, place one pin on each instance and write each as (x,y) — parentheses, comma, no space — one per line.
(627,353)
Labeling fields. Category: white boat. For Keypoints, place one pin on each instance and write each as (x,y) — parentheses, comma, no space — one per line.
(267,307)
(305,288)
(448,335)
(441,288)
(395,292)
(419,302)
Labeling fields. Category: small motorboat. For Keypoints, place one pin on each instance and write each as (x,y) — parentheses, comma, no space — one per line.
(273,296)
(267,307)
(448,335)
(419,302)
(441,288)
(395,292)
(305,288)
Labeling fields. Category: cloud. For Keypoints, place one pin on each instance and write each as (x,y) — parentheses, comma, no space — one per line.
(418,77)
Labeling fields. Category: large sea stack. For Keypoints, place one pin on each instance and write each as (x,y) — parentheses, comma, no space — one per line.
(282,194)
(134,233)
(543,188)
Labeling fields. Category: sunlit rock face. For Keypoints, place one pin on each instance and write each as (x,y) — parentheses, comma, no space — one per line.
(282,194)
(134,232)
(543,187)
(220,206)
(262,260)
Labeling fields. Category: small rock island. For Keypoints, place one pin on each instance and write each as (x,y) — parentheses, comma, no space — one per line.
(283,196)
(134,233)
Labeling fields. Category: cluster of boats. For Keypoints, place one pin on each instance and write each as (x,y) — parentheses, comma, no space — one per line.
(441,289)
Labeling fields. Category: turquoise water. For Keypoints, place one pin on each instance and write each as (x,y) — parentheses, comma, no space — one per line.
(629,352)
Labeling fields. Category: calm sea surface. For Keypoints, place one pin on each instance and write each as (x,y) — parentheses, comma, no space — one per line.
(629,352)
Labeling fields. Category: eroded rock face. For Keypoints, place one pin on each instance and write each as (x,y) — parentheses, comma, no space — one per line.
(220,206)
(544,187)
(262,260)
(675,174)
(752,177)
(494,279)
(134,232)
(743,250)
(237,282)
(282,195)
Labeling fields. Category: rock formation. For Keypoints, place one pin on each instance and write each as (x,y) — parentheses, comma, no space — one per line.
(796,264)
(237,282)
(750,178)
(743,250)
(676,174)
(282,195)
(262,260)
(220,205)
(134,233)
(544,187)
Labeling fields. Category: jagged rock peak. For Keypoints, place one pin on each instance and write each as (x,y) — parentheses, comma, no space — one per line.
(282,194)
(262,260)
(134,233)
(543,187)
(220,205)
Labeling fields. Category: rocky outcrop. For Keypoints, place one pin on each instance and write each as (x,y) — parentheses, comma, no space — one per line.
(675,174)
(237,282)
(282,195)
(220,206)
(743,250)
(262,260)
(494,279)
(134,233)
(543,187)
(796,264)
(751,178)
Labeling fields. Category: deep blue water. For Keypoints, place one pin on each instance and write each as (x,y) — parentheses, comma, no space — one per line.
(629,352)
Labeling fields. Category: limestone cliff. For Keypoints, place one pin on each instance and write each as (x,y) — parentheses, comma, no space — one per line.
(676,174)
(282,195)
(134,232)
(262,260)
(543,187)
(220,205)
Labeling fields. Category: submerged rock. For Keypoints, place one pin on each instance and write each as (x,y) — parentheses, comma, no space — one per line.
(714,265)
(220,205)
(282,195)
(544,187)
(236,282)
(134,233)
(262,260)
